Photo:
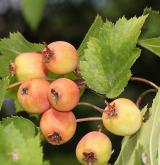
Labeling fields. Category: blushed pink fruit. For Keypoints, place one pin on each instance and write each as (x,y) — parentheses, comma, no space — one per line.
(58,127)
(63,94)
(29,65)
(60,57)
(94,148)
(32,95)
(122,117)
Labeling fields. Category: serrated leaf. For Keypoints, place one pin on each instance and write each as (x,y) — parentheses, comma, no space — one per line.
(3,88)
(92,32)
(11,47)
(151,27)
(108,58)
(33,11)
(25,126)
(14,149)
(152,44)
(35,152)
(148,137)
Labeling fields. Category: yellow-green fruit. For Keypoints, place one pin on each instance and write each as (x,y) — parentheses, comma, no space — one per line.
(94,148)
(61,57)
(122,117)
(29,65)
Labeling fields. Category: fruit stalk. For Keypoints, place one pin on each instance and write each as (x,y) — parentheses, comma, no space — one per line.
(139,100)
(89,119)
(92,106)
(139,79)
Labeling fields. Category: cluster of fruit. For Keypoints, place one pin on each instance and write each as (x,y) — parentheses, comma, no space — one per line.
(56,100)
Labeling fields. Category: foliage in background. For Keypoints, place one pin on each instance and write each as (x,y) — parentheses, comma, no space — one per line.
(33,11)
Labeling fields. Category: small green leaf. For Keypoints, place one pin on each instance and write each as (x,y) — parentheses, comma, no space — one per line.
(14,149)
(151,27)
(11,47)
(152,44)
(92,32)
(108,58)
(3,88)
(33,11)
(25,126)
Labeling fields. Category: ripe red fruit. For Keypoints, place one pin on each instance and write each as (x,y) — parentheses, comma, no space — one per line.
(58,127)
(32,95)
(122,117)
(60,57)
(63,94)
(94,148)
(29,65)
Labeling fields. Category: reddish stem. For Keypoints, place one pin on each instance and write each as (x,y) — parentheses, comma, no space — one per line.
(89,119)
(100,127)
(139,79)
(139,100)
(92,106)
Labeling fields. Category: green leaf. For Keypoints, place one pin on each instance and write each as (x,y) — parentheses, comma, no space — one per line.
(25,126)
(92,32)
(159,150)
(15,150)
(33,11)
(34,152)
(152,44)
(3,88)
(151,27)
(46,163)
(108,58)
(11,47)
(148,137)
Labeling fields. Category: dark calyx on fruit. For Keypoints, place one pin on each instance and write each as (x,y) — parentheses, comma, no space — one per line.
(55,94)
(111,110)
(24,91)
(55,138)
(89,157)
(47,54)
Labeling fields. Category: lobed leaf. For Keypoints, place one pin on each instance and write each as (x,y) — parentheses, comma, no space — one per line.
(25,126)
(14,149)
(108,58)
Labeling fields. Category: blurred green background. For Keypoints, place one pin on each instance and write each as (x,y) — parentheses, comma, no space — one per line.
(69,20)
